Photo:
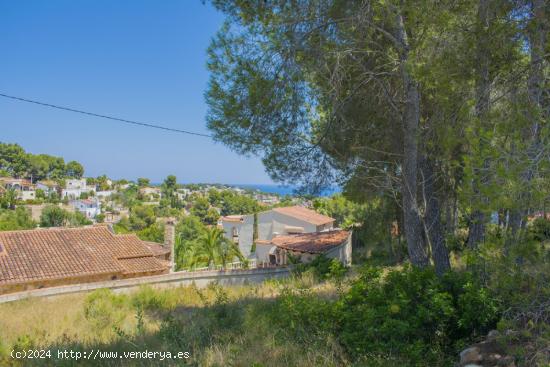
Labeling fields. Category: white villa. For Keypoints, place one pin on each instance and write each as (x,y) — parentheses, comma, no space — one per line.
(24,188)
(104,194)
(48,186)
(76,187)
(151,192)
(183,193)
(89,207)
(297,230)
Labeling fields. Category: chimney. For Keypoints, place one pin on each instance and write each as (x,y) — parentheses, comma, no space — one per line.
(170,239)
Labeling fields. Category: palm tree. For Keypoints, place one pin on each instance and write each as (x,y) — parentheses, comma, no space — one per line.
(212,248)
(9,199)
(228,251)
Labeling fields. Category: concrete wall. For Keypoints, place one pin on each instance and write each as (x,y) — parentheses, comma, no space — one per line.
(262,252)
(26,195)
(75,280)
(200,278)
(36,209)
(342,253)
(76,183)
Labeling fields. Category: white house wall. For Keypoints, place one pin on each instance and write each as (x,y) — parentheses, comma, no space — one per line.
(262,252)
(270,223)
(245,230)
(342,253)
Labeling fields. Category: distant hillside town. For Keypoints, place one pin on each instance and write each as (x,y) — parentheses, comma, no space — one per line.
(58,227)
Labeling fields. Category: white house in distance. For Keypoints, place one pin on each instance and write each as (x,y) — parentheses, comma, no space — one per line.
(295,229)
(76,187)
(151,192)
(89,207)
(48,186)
(24,188)
(104,194)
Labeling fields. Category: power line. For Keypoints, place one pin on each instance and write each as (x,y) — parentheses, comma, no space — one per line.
(145,124)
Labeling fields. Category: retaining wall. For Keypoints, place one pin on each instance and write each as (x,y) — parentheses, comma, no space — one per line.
(200,278)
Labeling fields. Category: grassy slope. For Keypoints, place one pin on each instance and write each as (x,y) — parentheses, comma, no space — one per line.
(219,326)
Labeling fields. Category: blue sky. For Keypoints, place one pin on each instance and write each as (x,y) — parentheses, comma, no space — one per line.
(139,60)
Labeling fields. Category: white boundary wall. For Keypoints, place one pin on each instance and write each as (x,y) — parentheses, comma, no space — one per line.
(182,278)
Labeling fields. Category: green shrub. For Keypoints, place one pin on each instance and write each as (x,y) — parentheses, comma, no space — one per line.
(323,268)
(105,309)
(16,219)
(407,317)
(150,299)
(302,314)
(413,314)
(539,229)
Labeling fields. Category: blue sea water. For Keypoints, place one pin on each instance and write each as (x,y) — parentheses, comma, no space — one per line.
(282,190)
(271,188)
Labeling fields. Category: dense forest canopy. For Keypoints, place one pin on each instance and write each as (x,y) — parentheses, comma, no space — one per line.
(15,162)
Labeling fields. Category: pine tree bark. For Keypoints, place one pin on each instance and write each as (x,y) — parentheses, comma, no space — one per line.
(411,118)
(483,89)
(432,218)
(537,36)
(535,88)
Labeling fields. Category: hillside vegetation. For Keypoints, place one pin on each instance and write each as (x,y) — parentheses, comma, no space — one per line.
(393,316)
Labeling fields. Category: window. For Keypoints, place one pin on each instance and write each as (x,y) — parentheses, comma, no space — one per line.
(235,233)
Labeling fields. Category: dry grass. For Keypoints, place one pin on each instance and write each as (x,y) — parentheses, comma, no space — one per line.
(136,320)
(50,319)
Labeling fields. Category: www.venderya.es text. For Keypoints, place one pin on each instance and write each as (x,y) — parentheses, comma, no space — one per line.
(96,354)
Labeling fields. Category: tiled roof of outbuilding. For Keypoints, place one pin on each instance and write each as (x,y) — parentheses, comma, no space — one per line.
(304,214)
(313,243)
(57,253)
(157,248)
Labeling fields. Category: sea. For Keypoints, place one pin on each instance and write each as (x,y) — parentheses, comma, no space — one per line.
(282,190)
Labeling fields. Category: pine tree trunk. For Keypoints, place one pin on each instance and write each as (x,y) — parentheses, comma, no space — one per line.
(432,219)
(483,85)
(411,118)
(535,89)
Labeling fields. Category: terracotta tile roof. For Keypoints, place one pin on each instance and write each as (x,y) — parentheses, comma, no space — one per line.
(304,214)
(57,253)
(86,201)
(233,218)
(138,265)
(157,249)
(16,181)
(313,243)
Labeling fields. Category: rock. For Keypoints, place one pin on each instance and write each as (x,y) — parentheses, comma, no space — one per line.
(493,334)
(470,356)
(493,358)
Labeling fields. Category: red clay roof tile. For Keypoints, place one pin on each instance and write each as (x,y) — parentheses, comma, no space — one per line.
(304,214)
(313,243)
(57,253)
